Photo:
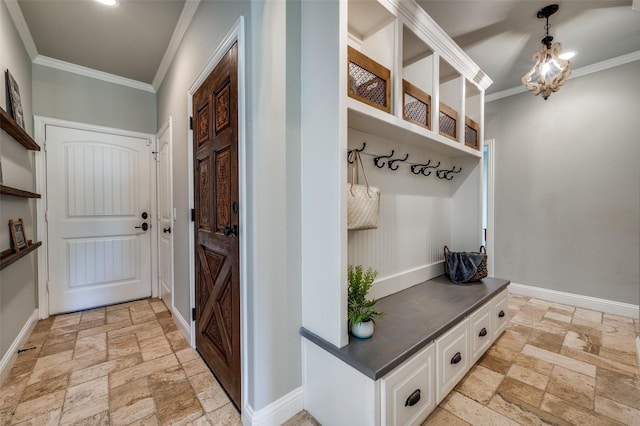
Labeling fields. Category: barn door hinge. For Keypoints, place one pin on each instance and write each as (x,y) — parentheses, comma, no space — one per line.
(193,314)
(193,215)
(190,123)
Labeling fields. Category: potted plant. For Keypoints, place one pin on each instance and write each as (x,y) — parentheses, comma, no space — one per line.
(361,311)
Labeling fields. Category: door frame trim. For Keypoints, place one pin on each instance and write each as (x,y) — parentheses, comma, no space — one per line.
(491,156)
(235,34)
(40,123)
(167,126)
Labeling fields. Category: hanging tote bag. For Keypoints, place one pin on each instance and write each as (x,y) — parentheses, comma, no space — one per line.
(363,201)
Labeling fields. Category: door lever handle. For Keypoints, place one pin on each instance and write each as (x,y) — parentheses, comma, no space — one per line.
(167,230)
(228,230)
(144,226)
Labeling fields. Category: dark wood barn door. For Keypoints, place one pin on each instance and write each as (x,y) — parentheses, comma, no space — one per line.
(217,269)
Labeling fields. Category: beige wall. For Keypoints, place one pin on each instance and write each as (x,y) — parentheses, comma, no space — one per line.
(69,96)
(567,197)
(273,364)
(18,281)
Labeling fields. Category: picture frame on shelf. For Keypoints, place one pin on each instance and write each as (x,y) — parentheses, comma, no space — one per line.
(18,236)
(14,99)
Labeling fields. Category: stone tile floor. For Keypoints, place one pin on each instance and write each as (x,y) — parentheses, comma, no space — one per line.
(129,364)
(121,365)
(554,365)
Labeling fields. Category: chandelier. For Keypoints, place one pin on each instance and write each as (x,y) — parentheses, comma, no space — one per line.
(550,71)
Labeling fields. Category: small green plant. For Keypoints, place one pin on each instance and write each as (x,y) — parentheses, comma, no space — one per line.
(361,309)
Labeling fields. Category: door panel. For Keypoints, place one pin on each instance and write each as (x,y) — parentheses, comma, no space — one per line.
(165,216)
(99,185)
(215,109)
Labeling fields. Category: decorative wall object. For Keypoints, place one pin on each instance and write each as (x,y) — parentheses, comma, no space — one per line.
(14,98)
(18,236)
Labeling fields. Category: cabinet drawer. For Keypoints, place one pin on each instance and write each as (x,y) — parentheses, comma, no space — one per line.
(500,313)
(481,331)
(407,393)
(452,353)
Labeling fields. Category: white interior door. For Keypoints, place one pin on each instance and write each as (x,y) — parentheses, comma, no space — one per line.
(98,190)
(165,214)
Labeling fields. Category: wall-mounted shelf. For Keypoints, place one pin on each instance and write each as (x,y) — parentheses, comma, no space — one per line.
(7,190)
(10,126)
(8,257)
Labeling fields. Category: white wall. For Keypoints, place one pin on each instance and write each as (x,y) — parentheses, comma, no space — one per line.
(273,181)
(567,197)
(69,96)
(18,281)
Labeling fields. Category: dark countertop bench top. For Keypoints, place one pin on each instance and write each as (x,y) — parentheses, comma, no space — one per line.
(412,319)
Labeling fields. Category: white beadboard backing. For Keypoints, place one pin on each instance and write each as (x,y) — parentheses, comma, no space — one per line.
(98,177)
(414,222)
(92,261)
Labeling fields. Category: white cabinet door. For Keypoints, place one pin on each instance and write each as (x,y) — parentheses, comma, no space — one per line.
(408,392)
(481,331)
(98,187)
(453,356)
(500,313)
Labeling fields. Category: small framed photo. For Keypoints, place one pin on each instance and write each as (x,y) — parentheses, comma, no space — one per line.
(14,98)
(18,237)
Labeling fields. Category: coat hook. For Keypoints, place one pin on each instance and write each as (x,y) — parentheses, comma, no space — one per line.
(391,162)
(380,164)
(446,174)
(350,157)
(422,168)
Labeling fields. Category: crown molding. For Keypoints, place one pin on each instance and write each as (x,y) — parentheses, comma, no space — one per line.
(186,16)
(21,25)
(578,72)
(92,73)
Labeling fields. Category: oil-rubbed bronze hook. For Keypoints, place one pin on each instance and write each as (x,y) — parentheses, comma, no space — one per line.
(380,164)
(417,169)
(391,162)
(446,174)
(349,157)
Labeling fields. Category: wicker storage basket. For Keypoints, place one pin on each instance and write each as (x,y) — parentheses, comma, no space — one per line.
(482,268)
(369,82)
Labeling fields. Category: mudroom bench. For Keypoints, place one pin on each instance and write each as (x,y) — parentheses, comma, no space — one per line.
(431,334)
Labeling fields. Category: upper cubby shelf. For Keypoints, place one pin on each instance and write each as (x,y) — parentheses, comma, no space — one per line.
(371,120)
(10,126)
(408,80)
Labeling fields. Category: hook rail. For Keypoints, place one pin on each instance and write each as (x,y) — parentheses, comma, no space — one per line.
(417,169)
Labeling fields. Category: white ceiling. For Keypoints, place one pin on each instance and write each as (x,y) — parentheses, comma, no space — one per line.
(499,35)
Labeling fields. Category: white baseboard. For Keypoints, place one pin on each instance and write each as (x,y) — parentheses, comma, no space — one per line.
(11,355)
(577,300)
(182,324)
(395,283)
(277,412)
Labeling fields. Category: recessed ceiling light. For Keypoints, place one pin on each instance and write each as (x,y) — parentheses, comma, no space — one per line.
(110,3)
(567,55)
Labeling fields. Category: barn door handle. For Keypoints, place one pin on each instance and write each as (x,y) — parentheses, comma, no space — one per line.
(167,230)
(144,226)
(228,230)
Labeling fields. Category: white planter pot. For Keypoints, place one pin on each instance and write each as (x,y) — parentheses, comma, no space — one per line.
(362,330)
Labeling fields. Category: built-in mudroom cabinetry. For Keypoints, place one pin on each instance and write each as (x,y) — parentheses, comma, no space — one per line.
(381,76)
